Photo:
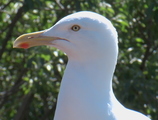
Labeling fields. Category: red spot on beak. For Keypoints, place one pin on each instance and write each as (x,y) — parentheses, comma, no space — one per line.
(24,45)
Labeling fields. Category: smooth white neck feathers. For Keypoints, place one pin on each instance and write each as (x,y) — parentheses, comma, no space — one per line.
(86,89)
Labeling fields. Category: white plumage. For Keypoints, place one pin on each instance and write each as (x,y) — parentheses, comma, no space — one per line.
(90,42)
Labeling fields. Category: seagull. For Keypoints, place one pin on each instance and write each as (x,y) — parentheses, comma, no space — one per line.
(91,44)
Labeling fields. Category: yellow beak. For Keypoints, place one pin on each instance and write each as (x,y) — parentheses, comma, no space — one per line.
(33,39)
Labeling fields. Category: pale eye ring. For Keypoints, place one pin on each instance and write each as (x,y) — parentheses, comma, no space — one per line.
(75,28)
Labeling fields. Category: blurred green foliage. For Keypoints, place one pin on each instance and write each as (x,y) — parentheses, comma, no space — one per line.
(30,79)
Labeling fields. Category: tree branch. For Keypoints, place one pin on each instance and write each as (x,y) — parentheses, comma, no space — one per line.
(6,5)
(21,113)
(145,58)
(13,89)
(10,31)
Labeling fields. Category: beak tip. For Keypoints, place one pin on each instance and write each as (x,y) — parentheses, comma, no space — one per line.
(26,41)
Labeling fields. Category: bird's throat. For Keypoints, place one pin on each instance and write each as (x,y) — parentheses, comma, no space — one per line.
(86,91)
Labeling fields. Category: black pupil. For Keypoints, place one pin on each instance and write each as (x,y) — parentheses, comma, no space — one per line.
(75,27)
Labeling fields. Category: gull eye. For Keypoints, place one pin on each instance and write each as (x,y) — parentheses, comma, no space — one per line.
(75,28)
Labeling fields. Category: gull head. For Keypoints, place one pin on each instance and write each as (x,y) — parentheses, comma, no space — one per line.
(79,35)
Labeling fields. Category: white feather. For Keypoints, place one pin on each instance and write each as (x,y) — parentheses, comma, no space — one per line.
(86,90)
